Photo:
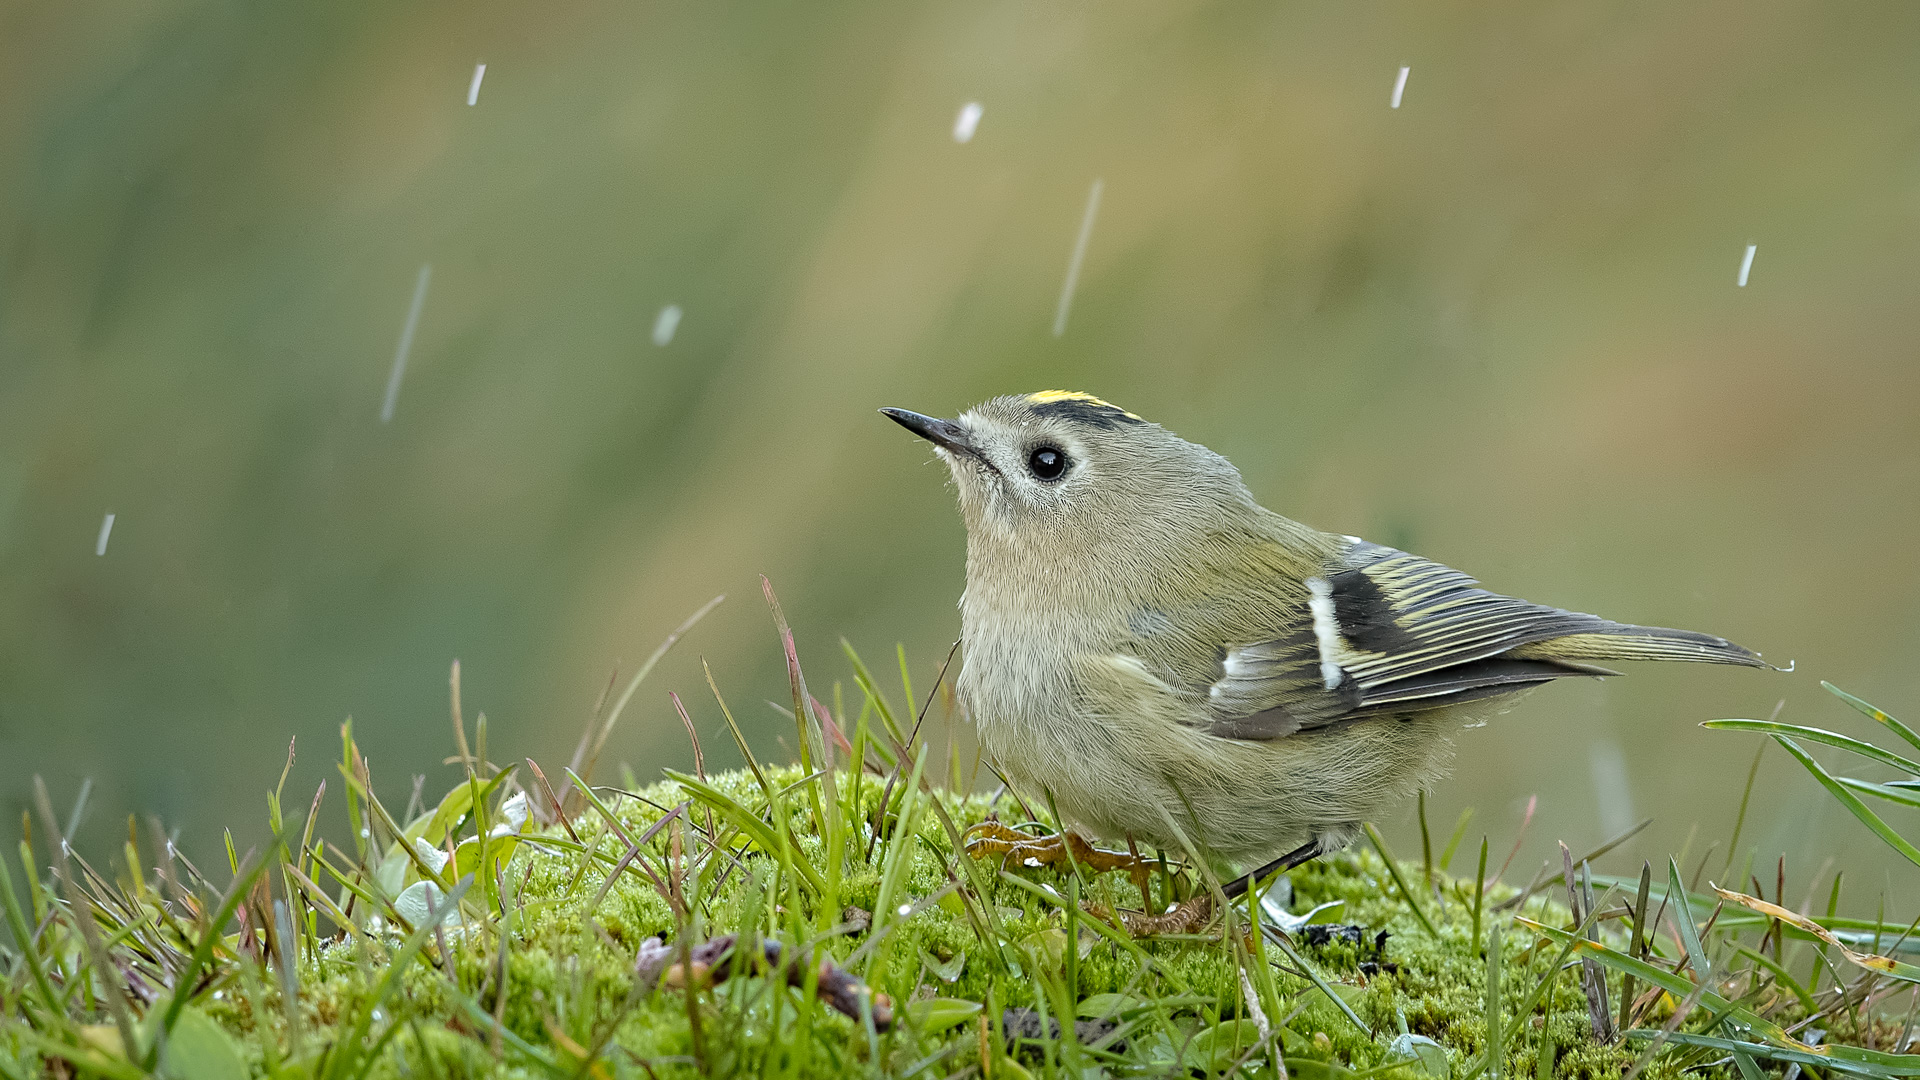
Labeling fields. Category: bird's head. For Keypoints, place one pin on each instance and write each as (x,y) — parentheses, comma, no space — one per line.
(1070,472)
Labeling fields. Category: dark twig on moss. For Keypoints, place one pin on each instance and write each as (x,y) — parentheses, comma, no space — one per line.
(715,960)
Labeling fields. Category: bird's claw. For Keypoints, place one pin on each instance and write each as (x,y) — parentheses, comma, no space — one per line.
(1187,917)
(1016,848)
(1064,848)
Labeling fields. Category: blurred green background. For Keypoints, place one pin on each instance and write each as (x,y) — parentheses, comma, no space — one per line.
(1499,325)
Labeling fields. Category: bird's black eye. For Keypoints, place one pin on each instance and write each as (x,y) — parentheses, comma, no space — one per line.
(1047,462)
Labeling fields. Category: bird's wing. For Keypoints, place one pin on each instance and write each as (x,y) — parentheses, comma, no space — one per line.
(1386,631)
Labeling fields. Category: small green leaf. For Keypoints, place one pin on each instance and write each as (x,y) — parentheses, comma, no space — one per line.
(198,1049)
(499,852)
(415,900)
(1101,1006)
(1295,1043)
(1155,1049)
(1222,1044)
(1047,948)
(934,1015)
(1011,1070)
(1428,1058)
(1310,1069)
(432,827)
(946,971)
(391,876)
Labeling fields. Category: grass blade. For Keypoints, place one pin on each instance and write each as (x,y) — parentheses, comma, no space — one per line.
(1675,984)
(348,1050)
(591,741)
(1393,868)
(16,920)
(1453,842)
(1885,965)
(1852,802)
(740,740)
(748,822)
(1689,929)
(1820,735)
(1496,1027)
(1279,938)
(250,870)
(1878,717)
(1902,795)
(1869,1063)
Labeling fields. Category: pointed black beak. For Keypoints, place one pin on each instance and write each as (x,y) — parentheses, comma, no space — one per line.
(942,433)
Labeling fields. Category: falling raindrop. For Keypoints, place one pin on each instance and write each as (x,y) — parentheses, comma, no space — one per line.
(406,342)
(665,324)
(1079,254)
(1400,86)
(966,122)
(1746,264)
(473,89)
(106,530)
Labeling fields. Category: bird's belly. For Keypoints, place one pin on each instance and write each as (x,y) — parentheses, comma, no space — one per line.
(1095,784)
(1032,722)
(1136,763)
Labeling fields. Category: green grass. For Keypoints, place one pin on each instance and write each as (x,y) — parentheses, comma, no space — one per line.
(574,913)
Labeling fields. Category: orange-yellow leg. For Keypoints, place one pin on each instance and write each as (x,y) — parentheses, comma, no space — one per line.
(1024,849)
(1016,848)
(1187,917)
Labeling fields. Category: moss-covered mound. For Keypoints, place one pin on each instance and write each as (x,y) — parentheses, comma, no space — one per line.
(489,944)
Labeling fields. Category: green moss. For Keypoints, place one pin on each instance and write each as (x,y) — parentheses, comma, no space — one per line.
(553,963)
(572,926)
(570,960)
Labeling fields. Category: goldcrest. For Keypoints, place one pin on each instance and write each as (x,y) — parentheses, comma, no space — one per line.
(1162,659)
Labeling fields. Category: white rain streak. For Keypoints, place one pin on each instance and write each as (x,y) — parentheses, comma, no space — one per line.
(473,88)
(1079,254)
(406,343)
(1610,789)
(966,122)
(1746,264)
(1400,86)
(665,324)
(106,530)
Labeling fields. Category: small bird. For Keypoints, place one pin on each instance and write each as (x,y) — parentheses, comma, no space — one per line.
(1162,659)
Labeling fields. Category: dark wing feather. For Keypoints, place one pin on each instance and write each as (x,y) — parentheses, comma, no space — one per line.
(1398,633)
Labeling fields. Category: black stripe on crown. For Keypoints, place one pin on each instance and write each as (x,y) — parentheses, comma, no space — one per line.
(1090,411)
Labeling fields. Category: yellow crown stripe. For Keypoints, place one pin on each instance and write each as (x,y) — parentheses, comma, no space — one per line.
(1045,396)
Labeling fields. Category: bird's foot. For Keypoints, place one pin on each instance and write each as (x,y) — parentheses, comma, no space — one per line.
(1187,917)
(1016,848)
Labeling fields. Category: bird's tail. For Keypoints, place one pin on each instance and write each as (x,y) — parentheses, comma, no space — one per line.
(1623,642)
